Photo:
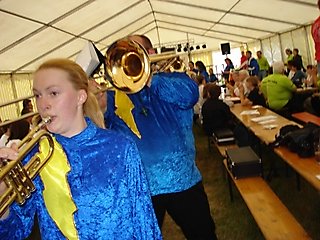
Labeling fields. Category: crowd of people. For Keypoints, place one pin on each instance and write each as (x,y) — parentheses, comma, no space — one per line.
(257,82)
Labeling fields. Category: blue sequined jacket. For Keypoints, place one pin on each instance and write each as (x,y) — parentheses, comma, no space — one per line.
(108,186)
(163,114)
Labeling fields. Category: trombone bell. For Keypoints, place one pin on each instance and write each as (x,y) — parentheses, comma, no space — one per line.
(127,66)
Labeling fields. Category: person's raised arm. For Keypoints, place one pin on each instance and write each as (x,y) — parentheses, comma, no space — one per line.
(175,88)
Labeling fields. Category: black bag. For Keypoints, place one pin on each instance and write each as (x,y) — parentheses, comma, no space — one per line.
(223,136)
(243,162)
(298,140)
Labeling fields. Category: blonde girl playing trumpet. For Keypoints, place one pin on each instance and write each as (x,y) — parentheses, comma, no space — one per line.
(94,186)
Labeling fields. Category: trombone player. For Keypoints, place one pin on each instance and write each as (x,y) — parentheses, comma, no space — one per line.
(158,117)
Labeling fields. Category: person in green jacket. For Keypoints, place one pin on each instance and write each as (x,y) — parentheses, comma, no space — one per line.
(289,55)
(278,89)
(263,65)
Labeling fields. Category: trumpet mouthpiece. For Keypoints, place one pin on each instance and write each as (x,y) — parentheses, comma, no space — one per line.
(46,120)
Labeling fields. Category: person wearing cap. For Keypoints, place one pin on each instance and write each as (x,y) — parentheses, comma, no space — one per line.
(159,118)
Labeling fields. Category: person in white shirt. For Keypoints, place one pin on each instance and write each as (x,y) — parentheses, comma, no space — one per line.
(5,136)
(239,78)
(18,130)
(197,107)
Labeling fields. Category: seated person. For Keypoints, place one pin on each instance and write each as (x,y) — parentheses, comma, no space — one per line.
(215,113)
(212,76)
(312,103)
(311,80)
(18,131)
(298,76)
(5,136)
(254,97)
(277,88)
(288,71)
(239,78)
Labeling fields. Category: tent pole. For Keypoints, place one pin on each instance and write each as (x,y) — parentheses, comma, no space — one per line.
(309,57)
(281,47)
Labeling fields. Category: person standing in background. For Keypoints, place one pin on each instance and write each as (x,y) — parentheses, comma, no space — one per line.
(243,61)
(192,68)
(197,107)
(253,66)
(263,65)
(297,58)
(227,70)
(315,31)
(289,54)
(202,70)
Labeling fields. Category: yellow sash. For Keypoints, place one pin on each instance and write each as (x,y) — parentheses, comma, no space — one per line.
(56,193)
(124,108)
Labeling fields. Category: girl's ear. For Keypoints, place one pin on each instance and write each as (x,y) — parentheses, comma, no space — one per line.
(82,97)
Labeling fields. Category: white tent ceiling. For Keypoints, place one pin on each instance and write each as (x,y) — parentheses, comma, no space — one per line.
(33,31)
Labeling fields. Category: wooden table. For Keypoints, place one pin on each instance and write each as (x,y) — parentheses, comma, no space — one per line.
(265,135)
(308,168)
(306,90)
(307,117)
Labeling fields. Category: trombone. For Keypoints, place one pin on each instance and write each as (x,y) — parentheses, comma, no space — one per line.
(128,67)
(18,177)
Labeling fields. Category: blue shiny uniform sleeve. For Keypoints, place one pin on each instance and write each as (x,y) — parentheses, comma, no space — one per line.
(167,144)
(108,186)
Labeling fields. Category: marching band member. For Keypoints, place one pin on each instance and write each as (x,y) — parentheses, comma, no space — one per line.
(159,119)
(94,186)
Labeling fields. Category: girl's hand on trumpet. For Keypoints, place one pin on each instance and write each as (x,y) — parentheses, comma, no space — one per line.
(6,154)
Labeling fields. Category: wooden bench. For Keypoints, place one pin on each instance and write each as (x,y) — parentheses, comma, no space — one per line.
(271,215)
(305,117)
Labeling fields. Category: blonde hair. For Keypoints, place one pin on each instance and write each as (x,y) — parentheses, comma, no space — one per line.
(79,80)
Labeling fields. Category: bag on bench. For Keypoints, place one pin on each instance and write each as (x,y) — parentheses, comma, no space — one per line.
(243,162)
(298,140)
(223,136)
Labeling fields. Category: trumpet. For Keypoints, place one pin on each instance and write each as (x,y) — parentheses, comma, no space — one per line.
(18,178)
(128,67)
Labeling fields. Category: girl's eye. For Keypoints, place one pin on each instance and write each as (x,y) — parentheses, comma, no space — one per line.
(54,93)
(36,95)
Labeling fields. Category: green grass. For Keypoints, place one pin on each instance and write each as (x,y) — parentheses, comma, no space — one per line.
(233,219)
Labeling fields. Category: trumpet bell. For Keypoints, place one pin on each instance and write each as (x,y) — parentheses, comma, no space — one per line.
(127,66)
